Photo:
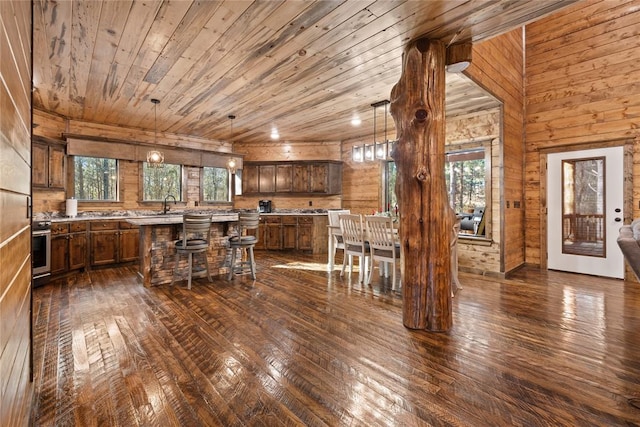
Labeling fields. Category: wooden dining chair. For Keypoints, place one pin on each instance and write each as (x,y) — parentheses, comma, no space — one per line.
(384,245)
(355,244)
(335,236)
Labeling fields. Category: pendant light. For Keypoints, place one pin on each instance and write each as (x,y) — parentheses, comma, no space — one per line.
(381,148)
(231,163)
(155,158)
(376,150)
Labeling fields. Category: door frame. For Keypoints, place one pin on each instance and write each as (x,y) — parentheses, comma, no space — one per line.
(626,143)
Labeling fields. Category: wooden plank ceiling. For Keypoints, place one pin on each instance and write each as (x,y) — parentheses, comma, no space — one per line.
(304,67)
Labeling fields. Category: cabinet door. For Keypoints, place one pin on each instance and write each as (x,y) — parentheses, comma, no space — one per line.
(305,233)
(59,253)
(104,247)
(267,178)
(129,245)
(250,179)
(318,178)
(300,179)
(77,251)
(56,167)
(40,165)
(283,178)
(289,232)
(273,232)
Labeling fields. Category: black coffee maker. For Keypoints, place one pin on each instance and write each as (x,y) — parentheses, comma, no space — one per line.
(264,206)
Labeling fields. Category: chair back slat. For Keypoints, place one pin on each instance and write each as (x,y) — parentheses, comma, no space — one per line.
(380,232)
(196,226)
(248,221)
(352,230)
(334,216)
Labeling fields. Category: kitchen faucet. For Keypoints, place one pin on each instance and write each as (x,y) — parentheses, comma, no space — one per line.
(165,208)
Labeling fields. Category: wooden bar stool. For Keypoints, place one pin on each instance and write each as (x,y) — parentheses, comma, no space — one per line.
(243,241)
(195,240)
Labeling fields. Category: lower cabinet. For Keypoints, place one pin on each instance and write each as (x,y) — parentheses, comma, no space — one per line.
(78,244)
(113,242)
(289,232)
(305,233)
(273,232)
(129,242)
(68,247)
(293,232)
(104,242)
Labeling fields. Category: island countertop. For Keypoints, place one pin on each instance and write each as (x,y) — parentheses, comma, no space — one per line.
(177,219)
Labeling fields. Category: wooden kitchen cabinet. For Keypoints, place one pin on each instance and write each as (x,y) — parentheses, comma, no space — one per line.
(300,179)
(68,247)
(251,179)
(304,242)
(59,248)
(325,178)
(295,232)
(267,178)
(104,242)
(113,242)
(289,232)
(129,242)
(273,232)
(283,178)
(293,177)
(48,165)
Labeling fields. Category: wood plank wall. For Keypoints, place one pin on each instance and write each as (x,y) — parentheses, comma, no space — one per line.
(289,150)
(582,87)
(498,66)
(15,230)
(53,126)
(461,132)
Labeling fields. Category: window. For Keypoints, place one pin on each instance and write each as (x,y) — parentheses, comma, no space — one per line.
(159,182)
(467,179)
(389,179)
(95,178)
(465,176)
(215,184)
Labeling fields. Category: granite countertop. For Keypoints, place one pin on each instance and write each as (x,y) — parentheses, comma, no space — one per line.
(296,212)
(157,217)
(177,219)
(123,215)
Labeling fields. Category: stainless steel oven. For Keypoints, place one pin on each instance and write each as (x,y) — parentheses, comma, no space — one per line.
(41,251)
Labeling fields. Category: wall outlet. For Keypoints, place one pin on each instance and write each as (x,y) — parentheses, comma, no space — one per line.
(310,202)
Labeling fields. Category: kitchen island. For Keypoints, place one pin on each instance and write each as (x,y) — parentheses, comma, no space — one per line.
(157,251)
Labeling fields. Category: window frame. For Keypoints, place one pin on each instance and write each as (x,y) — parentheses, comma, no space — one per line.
(486,145)
(482,144)
(141,188)
(231,178)
(72,179)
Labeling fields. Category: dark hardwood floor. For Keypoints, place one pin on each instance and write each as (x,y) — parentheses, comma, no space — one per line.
(301,346)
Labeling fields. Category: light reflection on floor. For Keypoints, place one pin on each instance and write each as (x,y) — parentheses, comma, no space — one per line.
(312,266)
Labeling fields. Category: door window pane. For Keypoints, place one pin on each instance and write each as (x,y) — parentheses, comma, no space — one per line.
(583,183)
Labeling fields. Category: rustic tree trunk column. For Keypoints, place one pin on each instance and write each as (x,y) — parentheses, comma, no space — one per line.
(417,107)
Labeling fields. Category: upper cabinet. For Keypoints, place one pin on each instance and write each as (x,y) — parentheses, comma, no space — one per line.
(317,177)
(48,168)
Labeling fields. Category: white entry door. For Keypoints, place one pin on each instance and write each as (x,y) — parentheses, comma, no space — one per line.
(585,211)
